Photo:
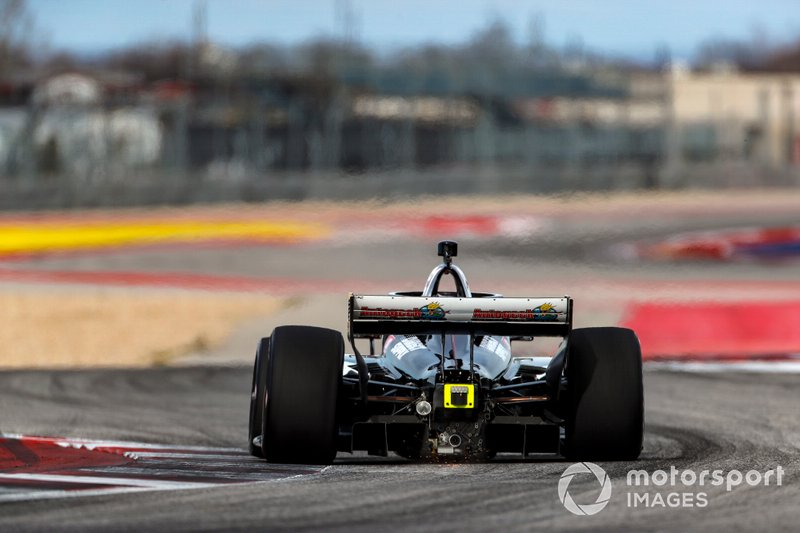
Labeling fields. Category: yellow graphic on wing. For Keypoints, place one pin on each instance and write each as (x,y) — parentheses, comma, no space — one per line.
(433,311)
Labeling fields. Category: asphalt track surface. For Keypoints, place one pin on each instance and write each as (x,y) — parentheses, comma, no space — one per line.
(699,421)
(694,421)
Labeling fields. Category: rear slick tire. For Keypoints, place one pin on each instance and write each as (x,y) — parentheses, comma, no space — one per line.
(302,389)
(605,395)
(257,396)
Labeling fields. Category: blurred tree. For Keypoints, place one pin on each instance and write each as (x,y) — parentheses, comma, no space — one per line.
(433,69)
(745,54)
(540,54)
(493,53)
(719,51)
(263,59)
(758,53)
(784,59)
(343,60)
(62,61)
(16,25)
(155,61)
(663,56)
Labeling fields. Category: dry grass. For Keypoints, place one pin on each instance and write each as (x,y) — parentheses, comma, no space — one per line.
(47,327)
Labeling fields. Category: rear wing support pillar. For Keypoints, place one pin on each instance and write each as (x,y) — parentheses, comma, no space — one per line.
(363,371)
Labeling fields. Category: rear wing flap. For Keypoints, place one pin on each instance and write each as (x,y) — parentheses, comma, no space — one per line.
(370,316)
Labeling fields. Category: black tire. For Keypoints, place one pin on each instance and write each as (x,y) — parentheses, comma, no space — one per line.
(604,396)
(302,388)
(257,396)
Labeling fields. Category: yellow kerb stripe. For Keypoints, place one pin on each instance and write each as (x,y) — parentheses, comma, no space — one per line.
(64,236)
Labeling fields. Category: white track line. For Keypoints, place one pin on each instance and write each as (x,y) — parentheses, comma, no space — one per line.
(767,367)
(114,481)
(59,494)
(133,446)
(175,455)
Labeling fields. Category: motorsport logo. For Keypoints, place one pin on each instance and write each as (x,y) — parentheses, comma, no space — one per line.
(640,495)
(544,312)
(586,509)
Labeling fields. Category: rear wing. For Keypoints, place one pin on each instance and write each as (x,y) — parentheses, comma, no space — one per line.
(370,316)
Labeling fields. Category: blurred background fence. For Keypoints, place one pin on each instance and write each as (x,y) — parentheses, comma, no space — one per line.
(194,121)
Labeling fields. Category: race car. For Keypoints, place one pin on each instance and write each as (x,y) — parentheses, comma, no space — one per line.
(444,384)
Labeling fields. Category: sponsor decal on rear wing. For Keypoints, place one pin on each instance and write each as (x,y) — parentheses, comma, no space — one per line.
(384,315)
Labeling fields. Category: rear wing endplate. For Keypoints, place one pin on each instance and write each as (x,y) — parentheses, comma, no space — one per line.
(370,316)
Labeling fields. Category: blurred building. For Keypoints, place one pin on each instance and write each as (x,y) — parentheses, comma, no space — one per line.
(554,128)
(79,126)
(735,115)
